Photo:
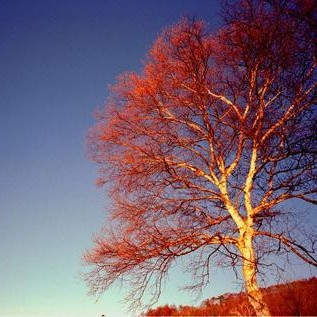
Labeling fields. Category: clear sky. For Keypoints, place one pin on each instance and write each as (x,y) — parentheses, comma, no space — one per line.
(57,58)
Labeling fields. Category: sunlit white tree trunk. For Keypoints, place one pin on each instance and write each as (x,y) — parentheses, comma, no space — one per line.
(250,273)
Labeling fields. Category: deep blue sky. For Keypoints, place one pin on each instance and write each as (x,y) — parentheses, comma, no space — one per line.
(57,58)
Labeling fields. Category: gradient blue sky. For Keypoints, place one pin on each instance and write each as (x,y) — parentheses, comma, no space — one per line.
(57,58)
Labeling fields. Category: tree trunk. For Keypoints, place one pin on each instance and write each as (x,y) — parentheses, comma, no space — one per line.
(254,294)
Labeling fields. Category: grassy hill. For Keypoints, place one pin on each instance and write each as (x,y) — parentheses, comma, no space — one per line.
(298,298)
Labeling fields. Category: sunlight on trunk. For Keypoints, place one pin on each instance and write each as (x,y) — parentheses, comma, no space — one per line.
(249,273)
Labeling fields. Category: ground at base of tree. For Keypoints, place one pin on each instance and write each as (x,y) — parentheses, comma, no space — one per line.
(296,298)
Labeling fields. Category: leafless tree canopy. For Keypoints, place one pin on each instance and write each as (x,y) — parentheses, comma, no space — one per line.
(200,151)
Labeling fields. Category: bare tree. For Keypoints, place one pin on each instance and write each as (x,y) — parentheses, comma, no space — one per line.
(202,150)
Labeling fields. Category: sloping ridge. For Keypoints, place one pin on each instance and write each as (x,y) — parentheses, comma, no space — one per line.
(297,298)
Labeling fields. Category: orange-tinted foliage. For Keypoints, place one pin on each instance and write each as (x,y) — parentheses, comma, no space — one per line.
(292,299)
(200,150)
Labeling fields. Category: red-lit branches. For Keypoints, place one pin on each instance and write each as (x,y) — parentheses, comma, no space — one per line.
(202,149)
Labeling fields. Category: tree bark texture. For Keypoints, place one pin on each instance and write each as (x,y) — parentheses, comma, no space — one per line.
(250,272)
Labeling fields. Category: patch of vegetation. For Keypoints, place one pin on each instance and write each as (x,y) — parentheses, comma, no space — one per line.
(296,298)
